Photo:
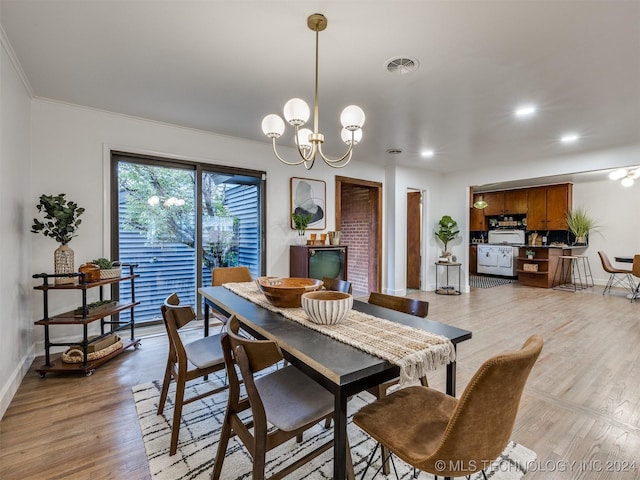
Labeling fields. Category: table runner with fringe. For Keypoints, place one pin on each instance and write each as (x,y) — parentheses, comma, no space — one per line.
(414,350)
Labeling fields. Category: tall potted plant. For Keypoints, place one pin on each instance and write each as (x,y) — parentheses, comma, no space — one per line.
(447,231)
(580,223)
(60,222)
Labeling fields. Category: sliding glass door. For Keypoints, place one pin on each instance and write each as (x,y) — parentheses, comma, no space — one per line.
(177,220)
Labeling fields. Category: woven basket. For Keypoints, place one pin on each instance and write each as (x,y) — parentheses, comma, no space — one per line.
(75,355)
(110,273)
(530,267)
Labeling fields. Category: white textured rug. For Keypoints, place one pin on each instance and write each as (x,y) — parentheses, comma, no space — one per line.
(198,441)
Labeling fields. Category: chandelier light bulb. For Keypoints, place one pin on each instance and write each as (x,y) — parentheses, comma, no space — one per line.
(272,126)
(153,200)
(352,117)
(618,174)
(347,134)
(303,138)
(627,182)
(296,112)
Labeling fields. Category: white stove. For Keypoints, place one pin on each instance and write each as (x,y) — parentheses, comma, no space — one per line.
(499,256)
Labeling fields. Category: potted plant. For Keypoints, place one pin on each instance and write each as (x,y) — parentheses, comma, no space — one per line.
(580,223)
(108,268)
(60,222)
(447,231)
(301,222)
(530,254)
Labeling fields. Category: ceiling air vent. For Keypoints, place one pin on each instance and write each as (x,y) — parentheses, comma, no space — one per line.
(402,65)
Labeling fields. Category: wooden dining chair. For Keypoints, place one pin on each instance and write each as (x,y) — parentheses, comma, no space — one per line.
(617,276)
(186,361)
(283,404)
(337,285)
(412,306)
(453,437)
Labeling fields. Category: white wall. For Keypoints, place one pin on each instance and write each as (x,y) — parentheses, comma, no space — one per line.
(16,320)
(71,147)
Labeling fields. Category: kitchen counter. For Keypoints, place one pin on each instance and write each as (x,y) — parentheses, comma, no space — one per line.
(539,270)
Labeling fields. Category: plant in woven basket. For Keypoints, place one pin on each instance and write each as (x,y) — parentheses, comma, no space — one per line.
(108,268)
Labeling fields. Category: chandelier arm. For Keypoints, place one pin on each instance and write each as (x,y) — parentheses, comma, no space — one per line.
(332,162)
(275,152)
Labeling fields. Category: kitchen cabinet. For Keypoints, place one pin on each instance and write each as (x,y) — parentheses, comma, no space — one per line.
(513,202)
(82,317)
(477,222)
(495,203)
(548,207)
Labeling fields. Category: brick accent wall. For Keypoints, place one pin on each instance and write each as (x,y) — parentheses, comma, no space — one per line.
(356,231)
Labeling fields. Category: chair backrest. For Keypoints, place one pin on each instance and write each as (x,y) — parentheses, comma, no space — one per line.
(337,285)
(482,422)
(222,275)
(250,356)
(635,270)
(412,306)
(176,316)
(606,264)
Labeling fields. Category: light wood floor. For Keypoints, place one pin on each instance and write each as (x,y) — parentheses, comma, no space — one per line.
(581,404)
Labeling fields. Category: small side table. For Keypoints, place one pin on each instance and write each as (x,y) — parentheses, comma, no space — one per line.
(447,289)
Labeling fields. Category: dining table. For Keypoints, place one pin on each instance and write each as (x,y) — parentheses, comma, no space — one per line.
(340,368)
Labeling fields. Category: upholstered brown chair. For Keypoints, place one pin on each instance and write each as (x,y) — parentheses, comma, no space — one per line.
(222,275)
(442,435)
(286,399)
(186,361)
(411,306)
(618,276)
(635,270)
(337,285)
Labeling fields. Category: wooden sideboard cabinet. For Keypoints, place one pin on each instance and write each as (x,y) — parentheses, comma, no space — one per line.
(318,261)
(82,318)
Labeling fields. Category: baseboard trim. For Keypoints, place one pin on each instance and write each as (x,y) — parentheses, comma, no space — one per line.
(11,386)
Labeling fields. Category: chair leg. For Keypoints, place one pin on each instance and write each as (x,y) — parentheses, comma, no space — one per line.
(177,416)
(165,390)
(225,434)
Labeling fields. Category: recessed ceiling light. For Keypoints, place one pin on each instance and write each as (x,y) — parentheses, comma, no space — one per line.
(427,153)
(570,138)
(526,111)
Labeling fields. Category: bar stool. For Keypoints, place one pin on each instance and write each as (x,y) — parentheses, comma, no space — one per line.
(570,277)
(586,268)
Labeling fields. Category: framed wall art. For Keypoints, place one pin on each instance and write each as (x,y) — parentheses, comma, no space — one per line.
(308,197)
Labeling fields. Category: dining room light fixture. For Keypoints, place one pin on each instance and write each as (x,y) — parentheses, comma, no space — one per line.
(296,113)
(480,203)
(627,176)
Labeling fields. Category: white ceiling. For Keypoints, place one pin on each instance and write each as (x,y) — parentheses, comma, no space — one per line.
(221,66)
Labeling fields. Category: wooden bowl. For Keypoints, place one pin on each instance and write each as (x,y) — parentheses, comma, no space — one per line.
(286,292)
(327,307)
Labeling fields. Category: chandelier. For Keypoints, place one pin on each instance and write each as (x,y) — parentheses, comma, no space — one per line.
(296,113)
(625,175)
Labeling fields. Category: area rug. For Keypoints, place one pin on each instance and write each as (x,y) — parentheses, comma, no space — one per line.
(478,281)
(198,442)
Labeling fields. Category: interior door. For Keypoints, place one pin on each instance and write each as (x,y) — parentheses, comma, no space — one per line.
(414,227)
